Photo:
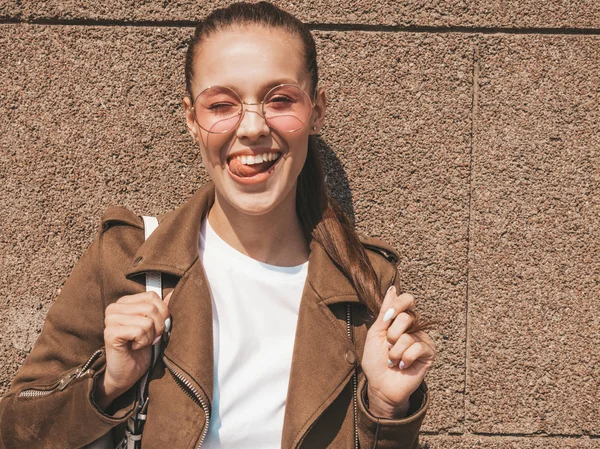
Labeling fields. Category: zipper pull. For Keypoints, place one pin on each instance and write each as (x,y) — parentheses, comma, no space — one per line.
(67,379)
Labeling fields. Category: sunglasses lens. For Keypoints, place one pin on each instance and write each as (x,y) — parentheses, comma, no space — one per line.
(217,109)
(287,108)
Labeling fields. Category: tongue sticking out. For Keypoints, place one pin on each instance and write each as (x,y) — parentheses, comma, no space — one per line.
(242,170)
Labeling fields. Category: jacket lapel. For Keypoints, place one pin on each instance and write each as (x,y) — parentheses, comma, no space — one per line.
(173,249)
(320,365)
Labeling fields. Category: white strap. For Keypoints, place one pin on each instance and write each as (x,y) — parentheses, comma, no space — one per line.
(150,224)
(153,284)
(153,279)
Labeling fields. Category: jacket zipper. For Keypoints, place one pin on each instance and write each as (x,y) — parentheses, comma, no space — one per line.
(64,381)
(354,387)
(354,379)
(189,388)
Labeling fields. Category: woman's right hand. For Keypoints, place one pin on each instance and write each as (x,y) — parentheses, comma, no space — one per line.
(132,324)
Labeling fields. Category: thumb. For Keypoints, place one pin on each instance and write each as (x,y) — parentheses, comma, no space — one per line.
(168,298)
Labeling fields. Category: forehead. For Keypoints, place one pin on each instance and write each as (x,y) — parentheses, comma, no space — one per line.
(249,59)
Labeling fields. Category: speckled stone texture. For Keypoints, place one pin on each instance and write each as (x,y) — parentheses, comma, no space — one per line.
(399,125)
(439,13)
(535,247)
(9,9)
(90,117)
(475,155)
(109,130)
(505,442)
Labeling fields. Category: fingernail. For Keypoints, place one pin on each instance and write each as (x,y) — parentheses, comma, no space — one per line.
(390,363)
(388,315)
(390,344)
(390,289)
(401,366)
(156,340)
(168,324)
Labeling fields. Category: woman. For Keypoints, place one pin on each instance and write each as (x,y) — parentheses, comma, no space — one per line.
(278,326)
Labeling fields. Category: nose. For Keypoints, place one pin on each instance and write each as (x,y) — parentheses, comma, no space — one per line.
(252,124)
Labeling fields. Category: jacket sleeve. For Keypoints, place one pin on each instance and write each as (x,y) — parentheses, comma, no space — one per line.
(50,401)
(383,433)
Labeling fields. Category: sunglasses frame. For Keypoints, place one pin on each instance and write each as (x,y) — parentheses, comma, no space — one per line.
(244,104)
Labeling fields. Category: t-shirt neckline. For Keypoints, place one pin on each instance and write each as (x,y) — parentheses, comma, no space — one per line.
(207,233)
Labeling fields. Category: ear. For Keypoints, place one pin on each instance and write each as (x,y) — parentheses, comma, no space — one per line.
(190,123)
(318,115)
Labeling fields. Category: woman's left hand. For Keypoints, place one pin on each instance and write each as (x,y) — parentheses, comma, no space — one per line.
(394,362)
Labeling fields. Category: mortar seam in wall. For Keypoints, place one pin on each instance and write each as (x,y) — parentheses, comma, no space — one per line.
(578,436)
(463,436)
(474,110)
(315,26)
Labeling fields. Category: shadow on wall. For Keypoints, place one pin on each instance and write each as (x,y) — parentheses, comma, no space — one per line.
(336,179)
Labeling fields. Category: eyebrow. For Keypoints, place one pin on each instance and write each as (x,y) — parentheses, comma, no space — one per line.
(270,84)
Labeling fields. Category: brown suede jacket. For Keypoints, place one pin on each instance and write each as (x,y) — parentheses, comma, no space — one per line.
(50,403)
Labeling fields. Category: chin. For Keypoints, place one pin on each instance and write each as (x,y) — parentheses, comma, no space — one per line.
(259,198)
(255,204)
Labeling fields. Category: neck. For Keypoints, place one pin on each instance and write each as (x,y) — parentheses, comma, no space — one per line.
(275,238)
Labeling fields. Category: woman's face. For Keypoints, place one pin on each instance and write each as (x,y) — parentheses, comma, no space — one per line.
(251,60)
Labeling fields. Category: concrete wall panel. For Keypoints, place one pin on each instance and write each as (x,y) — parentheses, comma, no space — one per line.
(399,125)
(511,13)
(90,117)
(9,9)
(99,122)
(505,442)
(535,249)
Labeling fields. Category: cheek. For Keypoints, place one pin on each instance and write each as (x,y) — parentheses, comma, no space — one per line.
(300,149)
(213,147)
(295,142)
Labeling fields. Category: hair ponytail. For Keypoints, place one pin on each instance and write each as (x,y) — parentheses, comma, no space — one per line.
(321,218)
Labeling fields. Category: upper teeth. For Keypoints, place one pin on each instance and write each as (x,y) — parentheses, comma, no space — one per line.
(257,158)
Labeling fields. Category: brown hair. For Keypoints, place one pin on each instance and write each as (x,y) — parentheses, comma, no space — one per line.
(321,218)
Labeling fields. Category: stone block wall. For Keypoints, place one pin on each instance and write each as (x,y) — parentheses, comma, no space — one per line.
(466,134)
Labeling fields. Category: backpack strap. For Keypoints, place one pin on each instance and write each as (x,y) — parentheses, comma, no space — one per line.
(153,279)
(135,424)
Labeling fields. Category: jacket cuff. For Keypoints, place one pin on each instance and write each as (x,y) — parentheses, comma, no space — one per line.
(69,415)
(386,433)
(120,409)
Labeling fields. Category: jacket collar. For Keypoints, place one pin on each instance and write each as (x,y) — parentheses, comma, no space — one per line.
(173,248)
(320,366)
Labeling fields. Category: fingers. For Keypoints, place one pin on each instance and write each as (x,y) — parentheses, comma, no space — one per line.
(408,349)
(396,351)
(391,307)
(417,351)
(395,318)
(139,319)
(140,335)
(150,298)
(398,327)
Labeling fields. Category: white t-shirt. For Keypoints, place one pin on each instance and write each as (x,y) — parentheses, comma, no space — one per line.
(255,312)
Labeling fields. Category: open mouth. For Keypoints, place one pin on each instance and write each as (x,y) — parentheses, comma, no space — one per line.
(250,166)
